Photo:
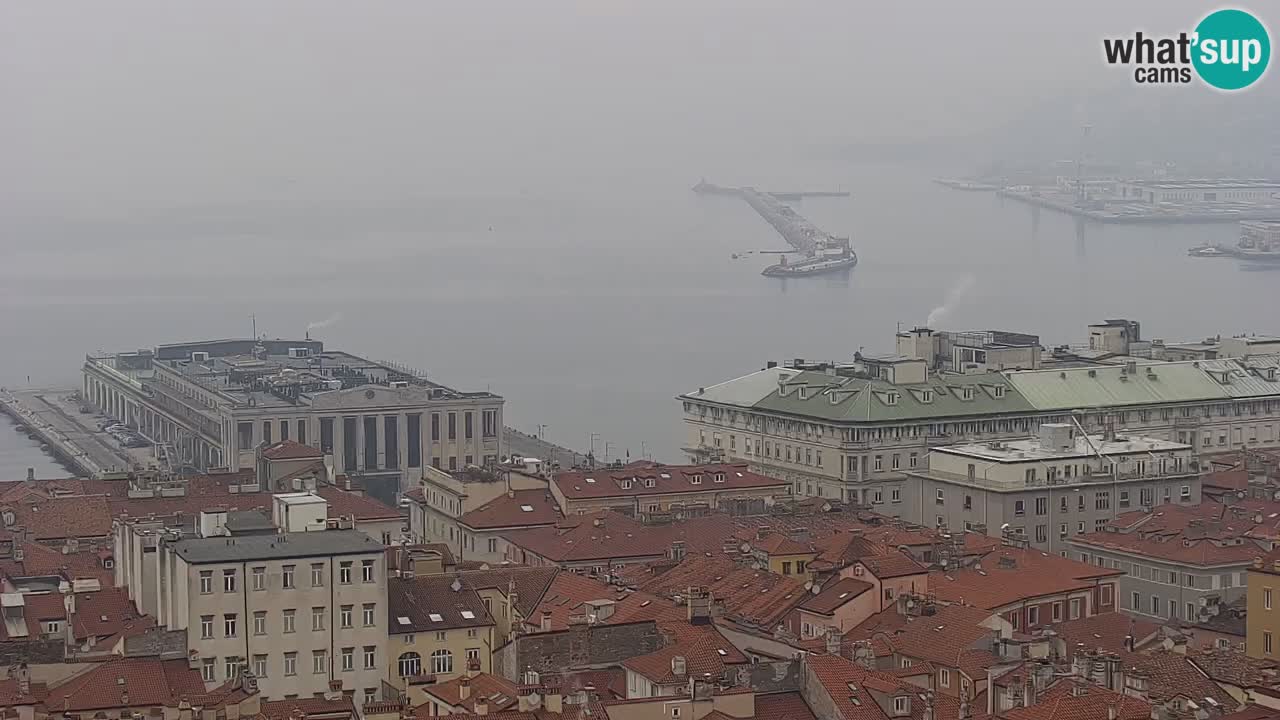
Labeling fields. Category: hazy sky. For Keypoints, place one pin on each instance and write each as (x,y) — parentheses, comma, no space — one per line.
(109,107)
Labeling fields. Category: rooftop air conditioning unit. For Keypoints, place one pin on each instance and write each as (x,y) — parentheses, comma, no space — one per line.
(199,357)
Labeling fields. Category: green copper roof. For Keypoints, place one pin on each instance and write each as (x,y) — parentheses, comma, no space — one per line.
(1113,386)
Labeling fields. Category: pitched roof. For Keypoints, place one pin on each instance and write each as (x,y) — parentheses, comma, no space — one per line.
(1171,674)
(1087,387)
(648,478)
(41,560)
(598,536)
(892,564)
(497,690)
(362,507)
(775,543)
(568,591)
(1010,575)
(1106,631)
(951,637)
(284,709)
(433,602)
(753,597)
(1208,534)
(529,583)
(783,706)
(1231,666)
(834,595)
(291,450)
(102,613)
(1070,699)
(854,690)
(147,682)
(704,649)
(515,509)
(58,518)
(11,695)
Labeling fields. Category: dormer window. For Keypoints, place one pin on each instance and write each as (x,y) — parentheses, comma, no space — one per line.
(696,479)
(901,705)
(1271,373)
(999,391)
(803,392)
(719,477)
(891,398)
(626,484)
(966,393)
(650,482)
(926,396)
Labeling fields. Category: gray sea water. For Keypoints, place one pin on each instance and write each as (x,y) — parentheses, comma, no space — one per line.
(589,304)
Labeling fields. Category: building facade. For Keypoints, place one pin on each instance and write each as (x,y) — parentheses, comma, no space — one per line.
(212,403)
(1262,618)
(298,609)
(852,431)
(1051,488)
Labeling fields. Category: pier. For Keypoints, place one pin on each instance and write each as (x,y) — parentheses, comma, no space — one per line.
(799,233)
(70,437)
(1134,212)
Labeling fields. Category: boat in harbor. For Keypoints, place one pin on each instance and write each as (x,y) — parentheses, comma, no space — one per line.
(1208,251)
(970,185)
(831,256)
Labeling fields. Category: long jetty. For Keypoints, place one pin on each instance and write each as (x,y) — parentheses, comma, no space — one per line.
(799,233)
(54,434)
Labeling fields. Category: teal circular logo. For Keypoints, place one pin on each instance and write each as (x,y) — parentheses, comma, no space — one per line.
(1232,49)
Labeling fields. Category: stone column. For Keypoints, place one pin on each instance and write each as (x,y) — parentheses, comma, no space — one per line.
(402,443)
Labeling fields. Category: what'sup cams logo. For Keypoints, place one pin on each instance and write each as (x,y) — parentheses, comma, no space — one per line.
(1228,50)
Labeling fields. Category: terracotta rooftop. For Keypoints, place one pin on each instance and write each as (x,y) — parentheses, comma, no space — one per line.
(1105,631)
(1011,575)
(705,652)
(892,564)
(291,450)
(1171,674)
(11,694)
(647,478)
(515,509)
(43,561)
(834,595)
(398,556)
(433,602)
(309,707)
(530,583)
(1208,534)
(783,706)
(753,597)
(146,681)
(855,691)
(499,692)
(955,636)
(1071,699)
(584,538)
(1227,665)
(363,507)
(568,591)
(775,543)
(58,518)
(102,613)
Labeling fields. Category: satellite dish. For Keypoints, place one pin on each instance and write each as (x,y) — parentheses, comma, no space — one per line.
(816,589)
(808,584)
(745,547)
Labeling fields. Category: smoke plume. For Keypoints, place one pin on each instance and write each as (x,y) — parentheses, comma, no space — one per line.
(954,295)
(324,323)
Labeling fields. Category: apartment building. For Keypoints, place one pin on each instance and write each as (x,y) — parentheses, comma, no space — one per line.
(647,488)
(1262,630)
(851,429)
(213,402)
(441,497)
(1046,489)
(299,609)
(439,627)
(1182,563)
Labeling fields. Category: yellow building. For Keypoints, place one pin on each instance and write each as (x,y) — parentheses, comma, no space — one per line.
(1263,614)
(786,554)
(436,626)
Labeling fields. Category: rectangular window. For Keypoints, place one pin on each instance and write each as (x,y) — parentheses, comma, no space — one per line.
(1135,602)
(206,627)
(370,657)
(1057,612)
(1173,609)
(229,581)
(453,426)
(291,663)
(878,464)
(344,572)
(366,571)
(1033,615)
(260,622)
(286,576)
(1042,506)
(786,568)
(468,431)
(435,427)
(284,430)
(326,434)
(207,668)
(368,614)
(348,659)
(895,461)
(289,617)
(206,582)
(1266,642)
(940,498)
(350,442)
(317,618)
(1076,607)
(895,495)
(413,428)
(489,423)
(1155,604)
(391,442)
(266,432)
(1019,506)
(260,578)
(229,625)
(944,677)
(260,666)
(1266,598)
(370,423)
(345,615)
(1102,500)
(319,662)
(317,574)
(232,666)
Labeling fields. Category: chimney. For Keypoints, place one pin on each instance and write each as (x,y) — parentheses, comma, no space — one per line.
(833,641)
(1111,711)
(481,706)
(23,675)
(335,690)
(464,687)
(928,707)
(473,667)
(524,695)
(762,532)
(546,621)
(552,700)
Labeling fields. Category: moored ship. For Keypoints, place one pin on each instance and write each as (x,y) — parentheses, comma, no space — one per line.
(831,256)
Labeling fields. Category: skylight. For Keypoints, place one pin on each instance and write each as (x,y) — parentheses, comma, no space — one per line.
(435,617)
(403,620)
(721,652)
(665,476)
(591,480)
(468,615)
(843,595)
(526,508)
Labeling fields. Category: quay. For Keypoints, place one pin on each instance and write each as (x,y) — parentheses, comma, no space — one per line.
(71,438)
(794,228)
(1134,212)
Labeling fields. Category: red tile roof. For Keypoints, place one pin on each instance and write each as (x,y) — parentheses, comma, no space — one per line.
(59,518)
(955,636)
(568,591)
(893,564)
(102,613)
(1074,700)
(783,706)
(421,600)
(1106,631)
(284,709)
(1208,534)
(530,583)
(498,691)
(1171,675)
(596,537)
(834,595)
(291,450)
(851,687)
(515,509)
(666,479)
(41,560)
(363,507)
(775,543)
(1226,665)
(1012,575)
(704,649)
(146,681)
(753,597)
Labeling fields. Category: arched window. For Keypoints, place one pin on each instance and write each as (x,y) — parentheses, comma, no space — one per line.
(441,662)
(410,664)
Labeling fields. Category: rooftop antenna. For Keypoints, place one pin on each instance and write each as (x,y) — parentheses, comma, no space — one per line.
(254,319)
